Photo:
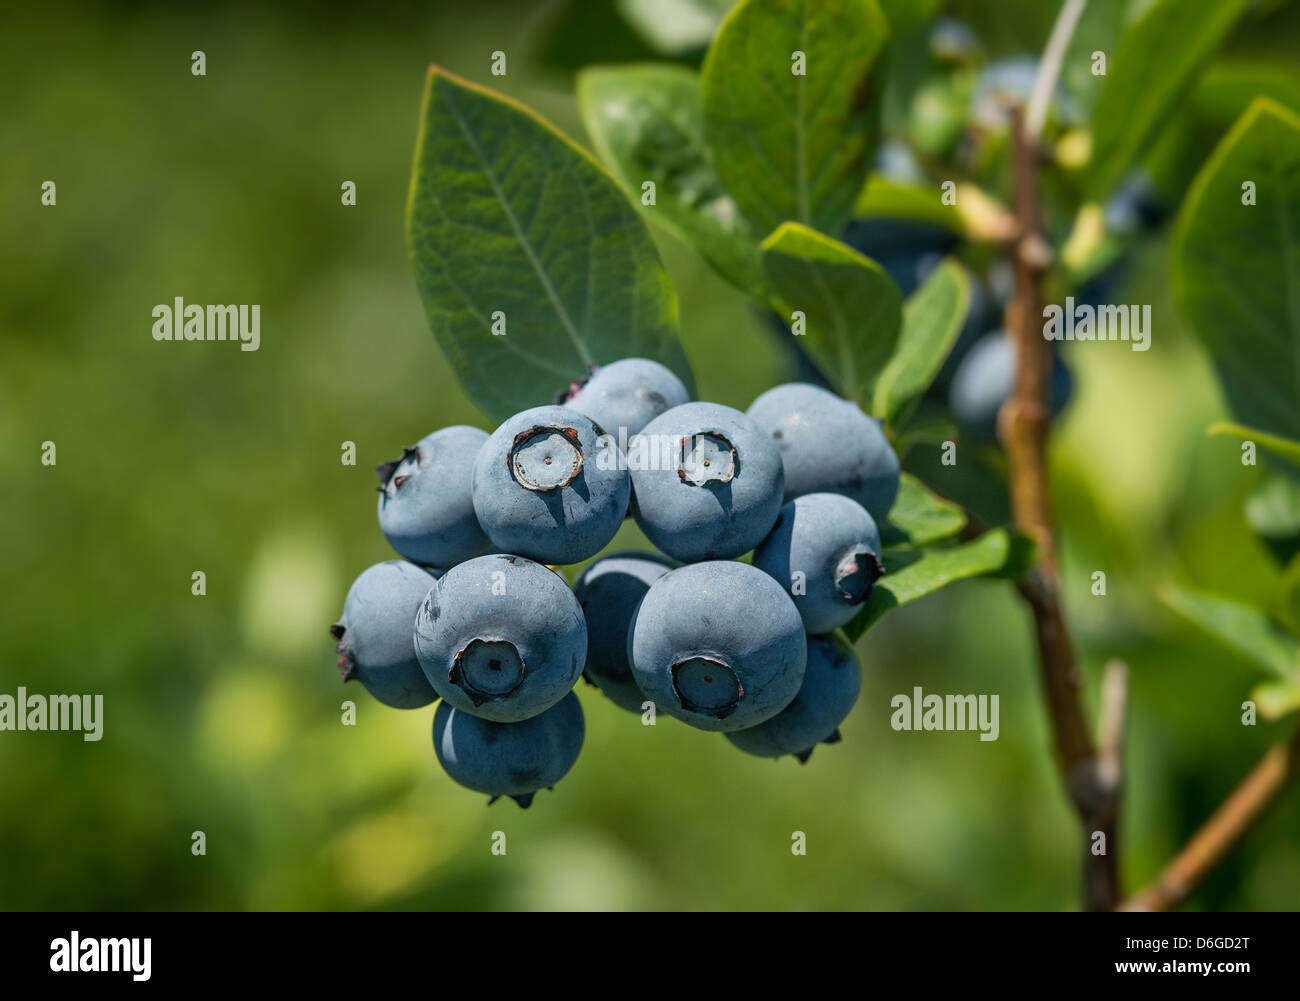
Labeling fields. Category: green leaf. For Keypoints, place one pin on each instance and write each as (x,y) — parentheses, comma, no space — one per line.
(1273,508)
(852,308)
(1022,557)
(787,145)
(1227,88)
(908,15)
(1236,267)
(508,217)
(930,431)
(1237,626)
(675,27)
(920,516)
(1276,699)
(886,199)
(1283,447)
(1099,29)
(932,318)
(645,122)
(913,573)
(1154,67)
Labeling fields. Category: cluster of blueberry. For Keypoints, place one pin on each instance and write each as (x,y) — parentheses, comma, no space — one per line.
(479,618)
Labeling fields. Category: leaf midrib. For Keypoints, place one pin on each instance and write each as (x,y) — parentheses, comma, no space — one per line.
(542,276)
(841,325)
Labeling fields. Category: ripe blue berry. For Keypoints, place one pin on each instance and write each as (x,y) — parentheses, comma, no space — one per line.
(609,591)
(718,645)
(706,481)
(509,759)
(501,637)
(546,488)
(830,687)
(375,634)
(984,378)
(624,396)
(828,445)
(825,550)
(426,503)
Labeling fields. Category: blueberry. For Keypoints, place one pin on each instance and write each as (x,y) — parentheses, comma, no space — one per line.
(545,487)
(830,687)
(509,759)
(983,315)
(1007,83)
(706,482)
(825,550)
(828,445)
(718,645)
(1136,205)
(374,634)
(501,637)
(426,504)
(955,41)
(624,396)
(896,162)
(986,376)
(609,591)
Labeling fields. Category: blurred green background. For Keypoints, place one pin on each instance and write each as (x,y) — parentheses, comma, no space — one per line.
(222,712)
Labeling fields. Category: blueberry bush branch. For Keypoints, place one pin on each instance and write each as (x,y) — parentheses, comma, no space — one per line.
(1023,425)
(1093,773)
(1275,772)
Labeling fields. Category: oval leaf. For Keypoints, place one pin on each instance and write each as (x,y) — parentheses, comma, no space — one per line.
(646,124)
(793,145)
(886,199)
(920,516)
(1237,626)
(852,308)
(1284,448)
(1236,267)
(1154,67)
(913,573)
(513,227)
(1276,699)
(932,318)
(675,27)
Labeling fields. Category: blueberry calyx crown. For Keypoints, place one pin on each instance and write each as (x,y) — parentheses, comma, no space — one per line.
(707,458)
(385,470)
(545,457)
(347,666)
(804,755)
(525,799)
(572,390)
(857,573)
(706,684)
(487,669)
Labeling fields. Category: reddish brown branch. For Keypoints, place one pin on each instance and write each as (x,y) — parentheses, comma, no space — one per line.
(1223,831)
(1093,786)
(1026,413)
